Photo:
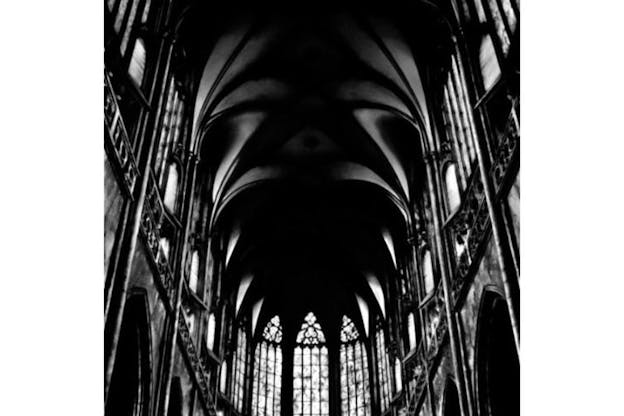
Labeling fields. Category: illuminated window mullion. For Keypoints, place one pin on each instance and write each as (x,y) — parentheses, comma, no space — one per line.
(461,105)
(461,126)
(461,79)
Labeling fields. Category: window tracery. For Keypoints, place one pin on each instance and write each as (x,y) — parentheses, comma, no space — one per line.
(354,379)
(239,371)
(383,367)
(310,370)
(267,381)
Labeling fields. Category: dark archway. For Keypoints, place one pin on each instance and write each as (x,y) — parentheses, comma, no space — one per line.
(129,391)
(498,366)
(175,398)
(451,400)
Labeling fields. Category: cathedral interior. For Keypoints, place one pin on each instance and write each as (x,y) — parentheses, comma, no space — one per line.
(312,209)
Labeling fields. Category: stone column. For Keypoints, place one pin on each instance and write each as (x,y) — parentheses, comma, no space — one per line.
(432,160)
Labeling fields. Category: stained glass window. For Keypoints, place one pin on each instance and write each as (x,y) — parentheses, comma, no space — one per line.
(310,371)
(267,381)
(383,367)
(239,370)
(354,384)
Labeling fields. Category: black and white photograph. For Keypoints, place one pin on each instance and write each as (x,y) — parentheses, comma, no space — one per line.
(313,209)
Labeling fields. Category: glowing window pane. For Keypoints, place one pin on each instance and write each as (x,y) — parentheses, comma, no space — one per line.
(267,382)
(310,371)
(509,13)
(146,10)
(398,379)
(490,70)
(411,330)
(499,25)
(239,370)
(355,396)
(210,336)
(428,272)
(137,62)
(121,12)
(383,367)
(164,246)
(171,190)
(223,380)
(166,126)
(194,274)
(452,188)
(129,26)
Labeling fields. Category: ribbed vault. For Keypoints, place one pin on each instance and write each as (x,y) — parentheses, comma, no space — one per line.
(311,129)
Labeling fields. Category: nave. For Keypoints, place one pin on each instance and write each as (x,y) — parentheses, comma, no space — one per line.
(312,210)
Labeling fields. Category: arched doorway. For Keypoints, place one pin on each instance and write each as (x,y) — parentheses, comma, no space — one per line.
(175,398)
(129,390)
(451,400)
(498,367)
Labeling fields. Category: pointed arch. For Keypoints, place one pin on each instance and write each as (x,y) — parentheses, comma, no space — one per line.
(267,377)
(129,392)
(354,374)
(311,370)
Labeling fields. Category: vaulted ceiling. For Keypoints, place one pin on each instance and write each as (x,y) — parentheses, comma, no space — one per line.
(311,125)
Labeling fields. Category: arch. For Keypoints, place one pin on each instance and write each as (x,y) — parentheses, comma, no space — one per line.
(267,374)
(311,370)
(450,400)
(130,383)
(354,375)
(338,171)
(175,398)
(497,363)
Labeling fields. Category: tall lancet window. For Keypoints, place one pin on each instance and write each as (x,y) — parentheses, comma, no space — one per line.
(355,391)
(267,382)
(310,371)
(239,370)
(383,367)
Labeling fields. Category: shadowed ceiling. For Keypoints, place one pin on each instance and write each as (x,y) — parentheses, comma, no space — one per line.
(311,125)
